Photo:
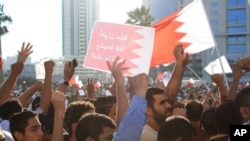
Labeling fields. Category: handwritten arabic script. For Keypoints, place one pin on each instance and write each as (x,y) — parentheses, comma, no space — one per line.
(110,36)
(109,40)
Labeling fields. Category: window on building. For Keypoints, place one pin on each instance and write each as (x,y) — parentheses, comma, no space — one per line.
(240,29)
(213,13)
(214,22)
(232,3)
(236,39)
(236,48)
(215,30)
(236,16)
(214,4)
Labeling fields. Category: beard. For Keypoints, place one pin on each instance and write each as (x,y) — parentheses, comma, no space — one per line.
(159,117)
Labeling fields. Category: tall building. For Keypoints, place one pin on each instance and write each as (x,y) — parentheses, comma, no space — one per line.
(78,17)
(230,25)
(160,8)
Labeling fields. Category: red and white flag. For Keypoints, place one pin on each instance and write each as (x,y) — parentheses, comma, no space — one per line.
(188,26)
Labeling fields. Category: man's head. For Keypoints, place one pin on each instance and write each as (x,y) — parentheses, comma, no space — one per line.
(106,105)
(74,112)
(208,121)
(193,110)
(95,127)
(242,103)
(158,107)
(225,115)
(26,126)
(176,128)
(9,108)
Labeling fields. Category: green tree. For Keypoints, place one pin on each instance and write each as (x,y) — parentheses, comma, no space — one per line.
(4,20)
(140,16)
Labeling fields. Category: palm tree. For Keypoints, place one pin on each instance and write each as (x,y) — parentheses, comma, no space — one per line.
(140,16)
(3,30)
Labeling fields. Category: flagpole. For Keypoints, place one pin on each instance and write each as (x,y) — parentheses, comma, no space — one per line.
(198,77)
(225,77)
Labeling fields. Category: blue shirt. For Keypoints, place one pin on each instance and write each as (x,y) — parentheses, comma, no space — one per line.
(131,125)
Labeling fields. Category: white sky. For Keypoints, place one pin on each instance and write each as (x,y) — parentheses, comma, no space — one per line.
(39,22)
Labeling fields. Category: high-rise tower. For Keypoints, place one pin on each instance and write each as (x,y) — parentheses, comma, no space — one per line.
(78,17)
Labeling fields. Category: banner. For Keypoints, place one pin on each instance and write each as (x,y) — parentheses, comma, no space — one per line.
(131,43)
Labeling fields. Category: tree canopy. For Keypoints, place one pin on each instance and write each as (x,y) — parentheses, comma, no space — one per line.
(140,16)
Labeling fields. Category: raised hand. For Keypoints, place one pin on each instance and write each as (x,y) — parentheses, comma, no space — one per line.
(217,78)
(58,100)
(49,66)
(237,71)
(69,70)
(180,56)
(244,63)
(90,88)
(26,50)
(116,68)
(139,84)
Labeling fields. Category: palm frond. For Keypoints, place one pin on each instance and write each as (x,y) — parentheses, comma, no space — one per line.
(140,16)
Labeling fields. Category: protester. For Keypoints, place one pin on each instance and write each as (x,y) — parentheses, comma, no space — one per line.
(26,126)
(194,110)
(94,126)
(176,128)
(134,111)
(72,114)
(159,101)
(208,123)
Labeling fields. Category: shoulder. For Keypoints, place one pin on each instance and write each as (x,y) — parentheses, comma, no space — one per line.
(148,134)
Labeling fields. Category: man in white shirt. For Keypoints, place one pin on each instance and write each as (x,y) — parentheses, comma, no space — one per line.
(159,102)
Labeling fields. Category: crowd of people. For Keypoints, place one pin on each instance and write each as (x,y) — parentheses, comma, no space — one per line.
(134,112)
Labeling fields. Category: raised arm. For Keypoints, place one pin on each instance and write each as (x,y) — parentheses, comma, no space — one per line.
(205,102)
(131,125)
(121,96)
(47,89)
(244,63)
(58,99)
(90,89)
(69,70)
(177,74)
(25,96)
(16,68)
(223,91)
(237,74)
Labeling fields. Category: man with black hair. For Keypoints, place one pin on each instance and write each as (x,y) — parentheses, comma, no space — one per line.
(193,114)
(25,126)
(176,128)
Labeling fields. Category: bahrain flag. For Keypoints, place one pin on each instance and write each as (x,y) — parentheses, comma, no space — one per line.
(188,26)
